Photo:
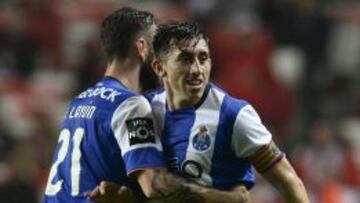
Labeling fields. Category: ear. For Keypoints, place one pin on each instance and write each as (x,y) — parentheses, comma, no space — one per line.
(158,68)
(142,48)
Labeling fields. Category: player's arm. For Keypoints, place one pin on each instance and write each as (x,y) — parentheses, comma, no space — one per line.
(238,194)
(157,184)
(160,185)
(253,141)
(272,164)
(164,186)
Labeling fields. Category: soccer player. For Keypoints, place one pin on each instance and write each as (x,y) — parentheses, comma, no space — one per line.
(108,132)
(209,136)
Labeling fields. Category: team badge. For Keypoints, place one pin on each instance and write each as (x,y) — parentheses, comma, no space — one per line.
(141,131)
(201,140)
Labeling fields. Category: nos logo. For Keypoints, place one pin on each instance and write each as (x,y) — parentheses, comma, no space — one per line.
(141,131)
(188,168)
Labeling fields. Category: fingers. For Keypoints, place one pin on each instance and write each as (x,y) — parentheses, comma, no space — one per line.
(94,194)
(103,190)
(103,187)
(109,188)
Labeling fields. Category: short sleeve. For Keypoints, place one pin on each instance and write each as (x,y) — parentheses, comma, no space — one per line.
(249,134)
(134,130)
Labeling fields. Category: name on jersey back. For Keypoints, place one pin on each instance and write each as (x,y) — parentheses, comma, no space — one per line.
(106,93)
(81,111)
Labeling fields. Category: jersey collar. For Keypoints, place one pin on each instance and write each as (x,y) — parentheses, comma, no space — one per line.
(197,105)
(115,80)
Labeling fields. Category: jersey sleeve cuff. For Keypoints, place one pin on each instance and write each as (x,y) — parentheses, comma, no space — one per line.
(141,169)
(143,158)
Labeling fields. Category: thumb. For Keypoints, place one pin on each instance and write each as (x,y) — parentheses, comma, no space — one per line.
(103,187)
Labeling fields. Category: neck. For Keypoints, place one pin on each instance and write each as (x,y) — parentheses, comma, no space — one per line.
(176,101)
(127,71)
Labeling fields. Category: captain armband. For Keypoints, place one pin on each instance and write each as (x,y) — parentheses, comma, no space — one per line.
(266,157)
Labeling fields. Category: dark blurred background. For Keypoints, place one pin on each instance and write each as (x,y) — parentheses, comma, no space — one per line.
(296,61)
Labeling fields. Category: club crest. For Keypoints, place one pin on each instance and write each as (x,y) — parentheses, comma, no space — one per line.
(201,141)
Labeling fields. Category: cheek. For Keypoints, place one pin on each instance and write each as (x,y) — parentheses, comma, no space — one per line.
(173,76)
(176,73)
(207,70)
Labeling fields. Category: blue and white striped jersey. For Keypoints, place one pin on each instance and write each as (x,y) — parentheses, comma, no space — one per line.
(210,142)
(107,133)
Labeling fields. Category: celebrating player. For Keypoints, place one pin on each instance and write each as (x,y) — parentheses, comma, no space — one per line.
(209,136)
(108,132)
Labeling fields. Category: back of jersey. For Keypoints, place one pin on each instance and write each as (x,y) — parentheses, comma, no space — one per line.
(107,133)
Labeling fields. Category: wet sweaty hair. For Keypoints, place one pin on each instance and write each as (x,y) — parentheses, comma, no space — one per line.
(121,28)
(173,33)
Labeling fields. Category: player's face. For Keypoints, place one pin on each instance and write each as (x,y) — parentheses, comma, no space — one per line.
(187,67)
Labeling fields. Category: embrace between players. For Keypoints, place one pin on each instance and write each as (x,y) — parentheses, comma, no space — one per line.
(187,142)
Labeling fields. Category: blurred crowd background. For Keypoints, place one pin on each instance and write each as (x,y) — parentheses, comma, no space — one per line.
(296,61)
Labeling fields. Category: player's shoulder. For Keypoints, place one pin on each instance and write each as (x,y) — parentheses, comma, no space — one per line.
(237,108)
(136,101)
(228,101)
(156,95)
(108,91)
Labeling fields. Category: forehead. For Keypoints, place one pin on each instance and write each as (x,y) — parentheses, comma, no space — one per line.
(194,46)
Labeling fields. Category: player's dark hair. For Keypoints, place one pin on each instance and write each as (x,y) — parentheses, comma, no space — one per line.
(121,28)
(171,33)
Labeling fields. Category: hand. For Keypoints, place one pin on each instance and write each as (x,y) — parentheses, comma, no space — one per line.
(167,184)
(109,192)
(238,194)
(243,195)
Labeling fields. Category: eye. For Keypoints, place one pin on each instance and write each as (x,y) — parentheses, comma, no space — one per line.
(186,57)
(203,57)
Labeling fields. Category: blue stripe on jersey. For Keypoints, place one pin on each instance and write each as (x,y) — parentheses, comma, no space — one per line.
(139,158)
(175,136)
(227,170)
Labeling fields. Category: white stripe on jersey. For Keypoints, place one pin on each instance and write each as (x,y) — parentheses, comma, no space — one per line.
(206,115)
(249,133)
(133,107)
(158,105)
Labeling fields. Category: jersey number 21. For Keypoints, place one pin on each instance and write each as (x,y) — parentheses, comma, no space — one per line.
(65,136)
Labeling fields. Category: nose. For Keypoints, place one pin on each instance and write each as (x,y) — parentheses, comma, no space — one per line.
(195,68)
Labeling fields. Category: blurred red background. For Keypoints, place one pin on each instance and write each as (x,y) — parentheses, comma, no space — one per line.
(297,62)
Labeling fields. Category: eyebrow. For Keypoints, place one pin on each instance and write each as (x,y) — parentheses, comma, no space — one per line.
(185,52)
(203,52)
(184,55)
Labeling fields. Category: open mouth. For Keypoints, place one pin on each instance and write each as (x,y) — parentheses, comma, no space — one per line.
(194,82)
